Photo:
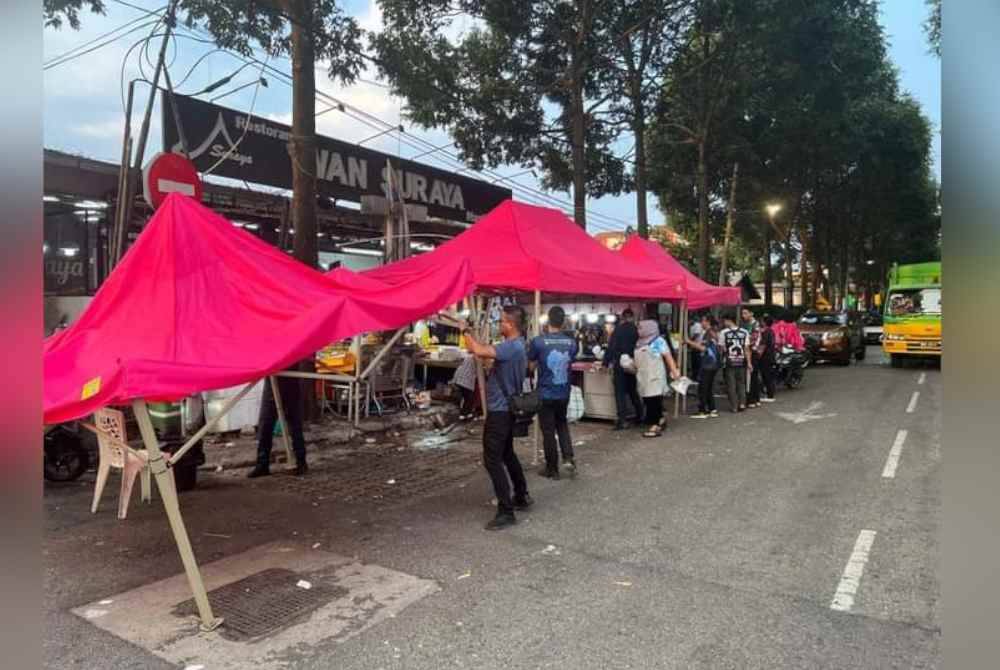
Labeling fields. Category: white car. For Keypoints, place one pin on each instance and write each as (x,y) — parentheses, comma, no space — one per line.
(873,329)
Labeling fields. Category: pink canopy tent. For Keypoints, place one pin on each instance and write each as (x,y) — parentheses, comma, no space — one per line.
(198,304)
(353,281)
(527,248)
(698,293)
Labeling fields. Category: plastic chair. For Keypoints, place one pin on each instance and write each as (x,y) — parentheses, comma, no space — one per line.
(115,453)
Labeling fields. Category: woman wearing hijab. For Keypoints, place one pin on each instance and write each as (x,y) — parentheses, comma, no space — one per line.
(652,360)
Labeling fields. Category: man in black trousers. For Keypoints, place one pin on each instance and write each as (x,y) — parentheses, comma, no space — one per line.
(291,402)
(506,380)
(623,342)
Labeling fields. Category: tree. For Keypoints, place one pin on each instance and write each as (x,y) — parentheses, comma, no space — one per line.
(644,37)
(702,107)
(305,30)
(521,87)
(932,27)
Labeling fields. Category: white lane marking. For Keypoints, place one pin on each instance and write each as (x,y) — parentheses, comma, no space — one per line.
(913,402)
(893,461)
(923,378)
(843,599)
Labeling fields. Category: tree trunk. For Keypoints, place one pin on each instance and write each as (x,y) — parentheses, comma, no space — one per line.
(303,141)
(789,271)
(639,130)
(579,150)
(702,212)
(768,269)
(303,151)
(730,217)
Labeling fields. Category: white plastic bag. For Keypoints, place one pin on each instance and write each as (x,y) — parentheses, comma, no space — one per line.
(574,411)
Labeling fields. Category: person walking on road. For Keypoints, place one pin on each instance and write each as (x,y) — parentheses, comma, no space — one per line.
(736,346)
(506,380)
(552,353)
(291,404)
(763,360)
(711,362)
(652,360)
(623,341)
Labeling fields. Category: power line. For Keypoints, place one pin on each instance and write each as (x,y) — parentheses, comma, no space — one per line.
(62,60)
(79,47)
(562,204)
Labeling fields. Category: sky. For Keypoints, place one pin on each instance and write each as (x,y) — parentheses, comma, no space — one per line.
(84,109)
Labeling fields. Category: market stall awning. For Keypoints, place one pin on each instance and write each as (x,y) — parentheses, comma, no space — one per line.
(519,247)
(199,304)
(699,293)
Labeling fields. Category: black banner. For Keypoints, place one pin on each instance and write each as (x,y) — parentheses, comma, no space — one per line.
(256,150)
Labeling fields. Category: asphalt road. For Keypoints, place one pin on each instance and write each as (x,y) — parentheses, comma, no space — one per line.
(720,545)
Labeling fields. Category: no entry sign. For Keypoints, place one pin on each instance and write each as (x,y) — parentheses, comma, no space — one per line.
(169,173)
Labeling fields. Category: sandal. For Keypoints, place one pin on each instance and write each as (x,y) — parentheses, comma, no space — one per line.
(653,432)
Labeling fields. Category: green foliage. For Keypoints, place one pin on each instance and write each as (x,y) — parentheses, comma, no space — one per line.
(54,12)
(932,26)
(504,88)
(810,107)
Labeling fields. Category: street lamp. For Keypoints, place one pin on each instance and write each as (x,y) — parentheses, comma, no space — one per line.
(773,209)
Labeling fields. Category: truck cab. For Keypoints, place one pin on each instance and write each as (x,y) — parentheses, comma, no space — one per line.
(912,318)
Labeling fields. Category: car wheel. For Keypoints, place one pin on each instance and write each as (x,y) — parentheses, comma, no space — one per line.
(845,361)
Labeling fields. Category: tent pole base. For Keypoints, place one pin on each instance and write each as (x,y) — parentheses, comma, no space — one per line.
(168,493)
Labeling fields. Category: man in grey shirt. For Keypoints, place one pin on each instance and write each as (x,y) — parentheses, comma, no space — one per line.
(505,380)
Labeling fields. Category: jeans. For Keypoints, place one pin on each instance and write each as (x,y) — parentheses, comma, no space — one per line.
(736,387)
(552,419)
(626,391)
(500,460)
(654,410)
(755,384)
(291,403)
(706,391)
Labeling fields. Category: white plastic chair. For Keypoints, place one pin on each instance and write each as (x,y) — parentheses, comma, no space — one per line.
(115,453)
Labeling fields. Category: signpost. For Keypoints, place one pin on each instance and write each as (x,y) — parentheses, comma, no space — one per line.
(169,173)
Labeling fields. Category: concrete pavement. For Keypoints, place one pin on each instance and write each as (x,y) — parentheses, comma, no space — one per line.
(720,545)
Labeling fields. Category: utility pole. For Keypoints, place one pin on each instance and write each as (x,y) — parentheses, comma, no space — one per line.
(123,211)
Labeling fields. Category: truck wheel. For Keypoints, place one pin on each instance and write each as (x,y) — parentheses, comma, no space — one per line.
(895,360)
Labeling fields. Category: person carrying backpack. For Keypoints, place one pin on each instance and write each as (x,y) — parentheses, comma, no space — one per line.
(711,363)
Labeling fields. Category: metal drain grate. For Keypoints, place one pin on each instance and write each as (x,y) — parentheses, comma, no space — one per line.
(263,603)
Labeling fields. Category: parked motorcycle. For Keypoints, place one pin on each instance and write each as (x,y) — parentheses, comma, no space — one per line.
(66,456)
(790,366)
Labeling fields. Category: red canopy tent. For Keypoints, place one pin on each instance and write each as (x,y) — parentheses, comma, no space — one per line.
(698,294)
(198,304)
(519,247)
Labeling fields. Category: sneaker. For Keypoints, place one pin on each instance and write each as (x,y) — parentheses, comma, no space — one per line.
(258,472)
(301,469)
(523,502)
(767,399)
(714,414)
(501,521)
(549,474)
(570,466)
(700,415)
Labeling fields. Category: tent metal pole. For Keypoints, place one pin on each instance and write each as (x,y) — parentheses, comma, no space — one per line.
(211,424)
(685,352)
(536,423)
(385,349)
(168,493)
(281,417)
(482,335)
